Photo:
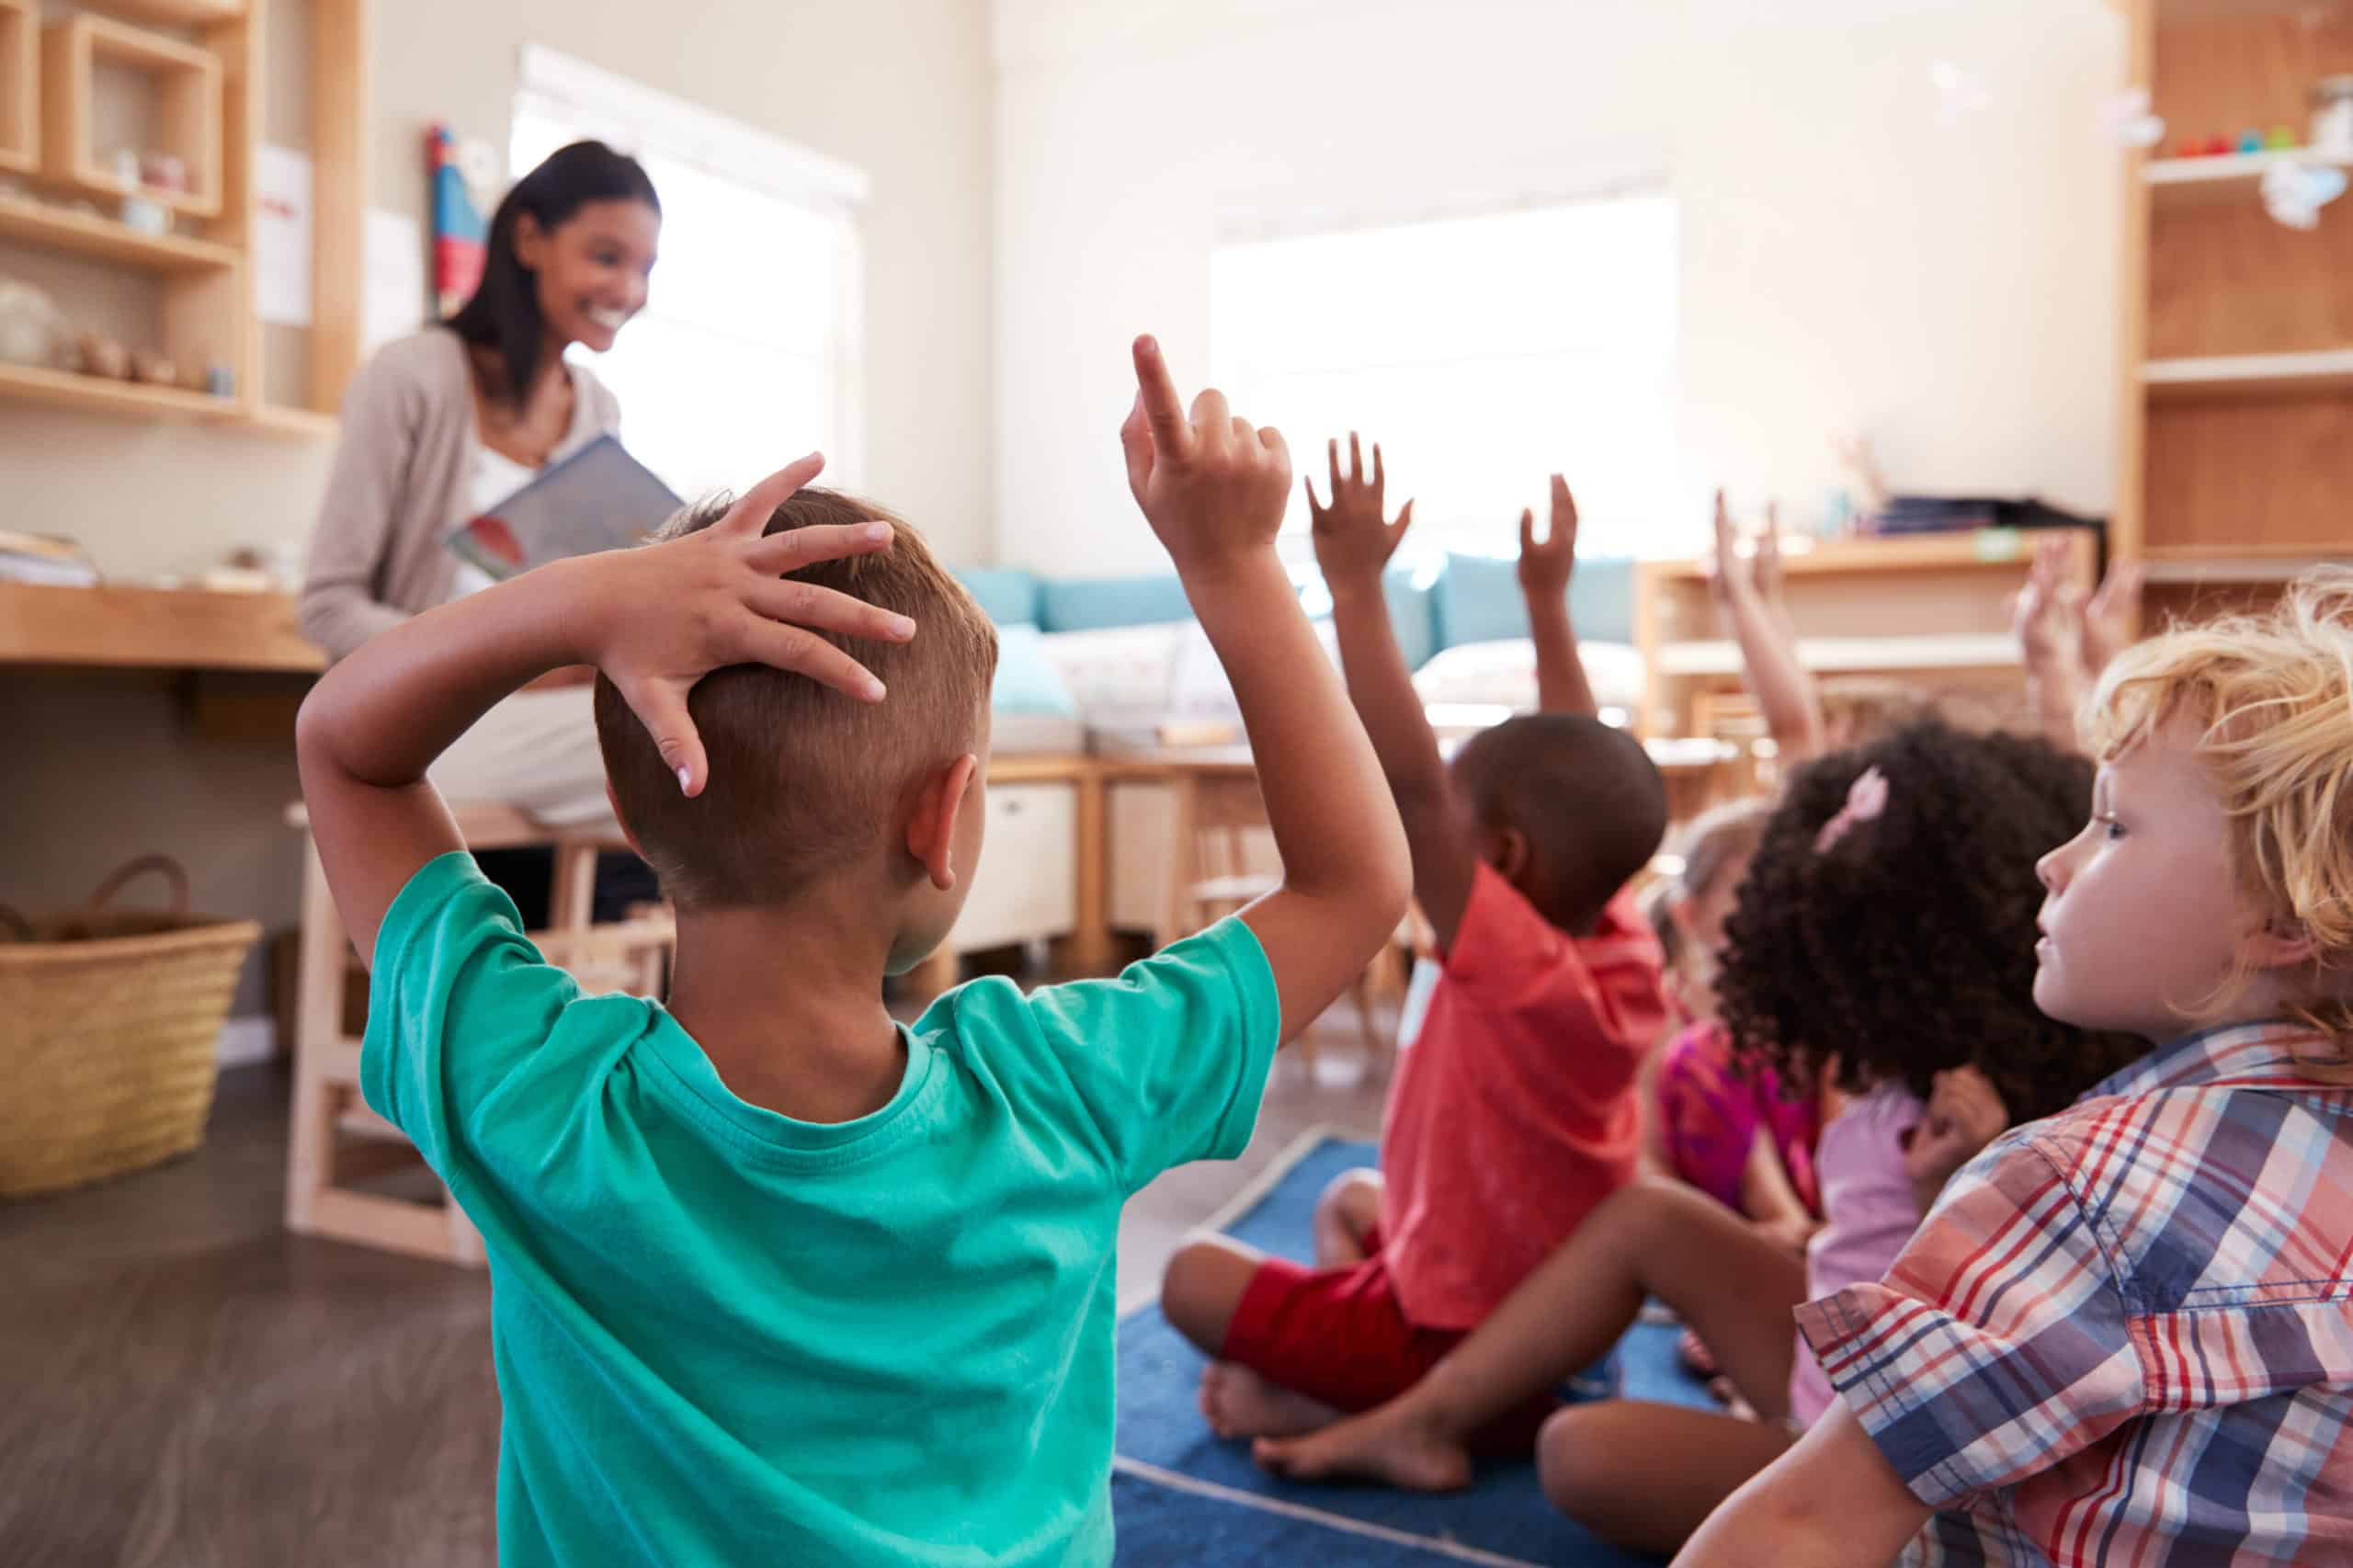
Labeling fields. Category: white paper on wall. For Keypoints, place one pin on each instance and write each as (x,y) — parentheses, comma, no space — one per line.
(392,302)
(282,216)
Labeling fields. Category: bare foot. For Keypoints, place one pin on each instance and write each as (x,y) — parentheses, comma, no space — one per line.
(1241,1403)
(1388,1444)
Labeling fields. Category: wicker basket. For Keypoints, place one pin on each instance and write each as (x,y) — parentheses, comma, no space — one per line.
(109,1023)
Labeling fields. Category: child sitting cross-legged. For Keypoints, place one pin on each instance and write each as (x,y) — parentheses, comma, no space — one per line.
(1881,937)
(778,1279)
(1514,1111)
(2125,1333)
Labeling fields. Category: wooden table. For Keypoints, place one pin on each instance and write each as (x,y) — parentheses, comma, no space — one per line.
(151,629)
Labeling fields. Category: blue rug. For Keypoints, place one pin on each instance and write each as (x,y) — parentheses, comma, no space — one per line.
(1183,1496)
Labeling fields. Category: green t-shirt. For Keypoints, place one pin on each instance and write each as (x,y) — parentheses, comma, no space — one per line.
(724,1336)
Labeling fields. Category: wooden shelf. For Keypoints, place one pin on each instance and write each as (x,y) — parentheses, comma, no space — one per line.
(1989,651)
(2237,176)
(189,110)
(2247,375)
(61,229)
(126,627)
(62,389)
(19,87)
(185,13)
(1801,555)
(2253,563)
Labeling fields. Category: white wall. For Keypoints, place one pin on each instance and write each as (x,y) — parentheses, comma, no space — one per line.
(95,769)
(1856,252)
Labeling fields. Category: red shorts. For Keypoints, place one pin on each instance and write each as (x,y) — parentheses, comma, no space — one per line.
(1339,1337)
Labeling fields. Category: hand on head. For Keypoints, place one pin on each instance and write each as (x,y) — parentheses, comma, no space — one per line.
(671,613)
(1213,487)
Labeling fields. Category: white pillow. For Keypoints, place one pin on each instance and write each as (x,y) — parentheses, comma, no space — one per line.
(1199,688)
(1117,673)
(1504,675)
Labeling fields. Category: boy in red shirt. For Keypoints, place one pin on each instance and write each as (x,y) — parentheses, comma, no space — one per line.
(1516,1111)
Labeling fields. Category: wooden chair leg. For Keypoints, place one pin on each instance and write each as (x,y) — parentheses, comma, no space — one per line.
(572,894)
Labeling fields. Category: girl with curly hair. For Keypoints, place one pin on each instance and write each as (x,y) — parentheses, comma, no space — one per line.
(1883,940)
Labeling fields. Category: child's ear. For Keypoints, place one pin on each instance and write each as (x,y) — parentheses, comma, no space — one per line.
(931,832)
(2281,942)
(1508,852)
(629,835)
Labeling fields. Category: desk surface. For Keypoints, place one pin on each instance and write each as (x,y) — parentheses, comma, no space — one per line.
(156,629)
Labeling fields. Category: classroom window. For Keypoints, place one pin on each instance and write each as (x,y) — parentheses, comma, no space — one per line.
(747,352)
(1485,353)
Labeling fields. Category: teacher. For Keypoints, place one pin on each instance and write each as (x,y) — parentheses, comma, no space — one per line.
(442,426)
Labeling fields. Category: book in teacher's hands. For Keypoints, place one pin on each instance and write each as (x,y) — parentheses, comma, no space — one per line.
(599,498)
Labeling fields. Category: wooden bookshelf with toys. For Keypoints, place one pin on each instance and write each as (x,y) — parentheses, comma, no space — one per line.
(2235,379)
(130,133)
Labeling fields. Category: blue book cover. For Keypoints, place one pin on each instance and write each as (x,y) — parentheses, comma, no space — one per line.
(599,498)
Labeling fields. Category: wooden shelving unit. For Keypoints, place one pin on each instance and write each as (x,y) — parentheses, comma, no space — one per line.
(19,87)
(1931,610)
(2236,434)
(210,63)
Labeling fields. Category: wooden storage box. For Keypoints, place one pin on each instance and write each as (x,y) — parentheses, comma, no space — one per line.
(1027,889)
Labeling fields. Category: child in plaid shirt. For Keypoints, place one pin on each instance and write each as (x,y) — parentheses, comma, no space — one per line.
(2125,1333)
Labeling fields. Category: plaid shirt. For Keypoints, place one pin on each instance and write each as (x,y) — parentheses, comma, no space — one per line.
(2125,1335)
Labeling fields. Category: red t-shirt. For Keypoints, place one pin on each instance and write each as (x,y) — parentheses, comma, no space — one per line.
(1516,1111)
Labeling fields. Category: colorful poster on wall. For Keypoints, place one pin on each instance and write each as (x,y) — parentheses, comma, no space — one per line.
(459,229)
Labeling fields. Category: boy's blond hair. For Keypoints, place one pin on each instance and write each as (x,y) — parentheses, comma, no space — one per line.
(804,780)
(2273,694)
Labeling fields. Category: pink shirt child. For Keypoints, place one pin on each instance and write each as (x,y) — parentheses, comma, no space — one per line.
(1869,1214)
(1516,1110)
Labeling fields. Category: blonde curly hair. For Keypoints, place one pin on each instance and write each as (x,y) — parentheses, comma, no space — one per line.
(2273,695)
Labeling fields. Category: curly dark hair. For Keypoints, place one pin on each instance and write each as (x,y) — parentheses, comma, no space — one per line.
(1907,947)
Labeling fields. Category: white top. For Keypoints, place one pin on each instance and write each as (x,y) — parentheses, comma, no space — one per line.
(493,478)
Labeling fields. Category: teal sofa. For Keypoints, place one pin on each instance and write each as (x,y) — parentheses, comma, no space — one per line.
(1435,605)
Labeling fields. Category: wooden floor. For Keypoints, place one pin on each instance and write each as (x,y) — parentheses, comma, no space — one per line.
(185,1385)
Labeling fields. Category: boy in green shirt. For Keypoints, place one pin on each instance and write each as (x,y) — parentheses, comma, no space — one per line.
(776,1279)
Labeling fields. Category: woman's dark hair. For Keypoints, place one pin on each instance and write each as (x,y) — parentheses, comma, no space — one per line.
(1906,945)
(503,314)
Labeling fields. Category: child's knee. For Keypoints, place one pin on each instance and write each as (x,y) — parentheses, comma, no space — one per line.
(1353,1198)
(1571,1466)
(1202,1285)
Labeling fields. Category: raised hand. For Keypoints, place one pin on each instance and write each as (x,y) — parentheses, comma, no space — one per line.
(2047,616)
(663,617)
(1213,487)
(1352,540)
(2109,616)
(1545,569)
(1728,574)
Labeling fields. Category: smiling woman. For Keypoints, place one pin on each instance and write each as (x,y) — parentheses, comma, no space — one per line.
(446,424)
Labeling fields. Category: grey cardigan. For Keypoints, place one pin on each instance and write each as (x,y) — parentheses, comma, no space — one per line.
(400,483)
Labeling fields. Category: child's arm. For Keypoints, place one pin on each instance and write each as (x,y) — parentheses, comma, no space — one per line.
(655,619)
(1768,1196)
(1831,1502)
(1544,572)
(1213,490)
(1768,650)
(1352,545)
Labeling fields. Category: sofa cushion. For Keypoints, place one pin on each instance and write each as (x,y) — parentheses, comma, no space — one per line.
(1503,673)
(1117,674)
(1478,600)
(1005,596)
(1086,604)
(1027,680)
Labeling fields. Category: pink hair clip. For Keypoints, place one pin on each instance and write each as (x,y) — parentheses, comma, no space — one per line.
(1866,798)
